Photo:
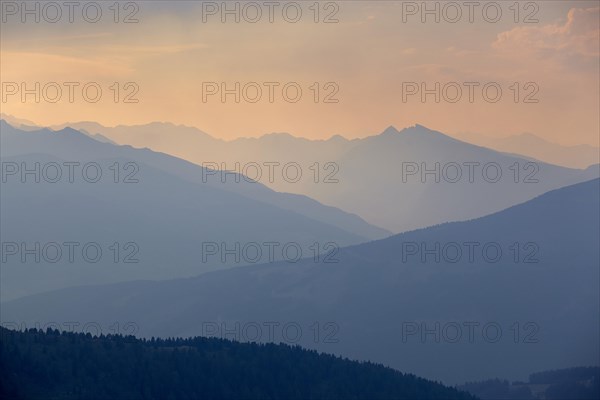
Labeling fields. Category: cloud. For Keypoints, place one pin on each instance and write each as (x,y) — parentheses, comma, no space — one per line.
(159,49)
(38,66)
(578,36)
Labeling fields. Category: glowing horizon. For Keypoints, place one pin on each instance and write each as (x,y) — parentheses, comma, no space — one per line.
(365,62)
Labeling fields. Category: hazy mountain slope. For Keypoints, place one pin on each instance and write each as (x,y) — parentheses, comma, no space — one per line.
(162,220)
(371,301)
(70,144)
(197,146)
(20,123)
(365,176)
(372,184)
(581,156)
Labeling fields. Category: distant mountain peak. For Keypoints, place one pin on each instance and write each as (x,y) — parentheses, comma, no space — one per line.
(415,133)
(417,128)
(337,138)
(279,135)
(390,130)
(68,131)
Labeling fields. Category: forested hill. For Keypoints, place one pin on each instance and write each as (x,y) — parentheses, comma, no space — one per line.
(54,365)
(579,383)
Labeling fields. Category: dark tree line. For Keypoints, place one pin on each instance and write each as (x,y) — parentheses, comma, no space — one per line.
(54,365)
(580,383)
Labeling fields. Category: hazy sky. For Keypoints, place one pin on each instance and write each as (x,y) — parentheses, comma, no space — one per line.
(364,61)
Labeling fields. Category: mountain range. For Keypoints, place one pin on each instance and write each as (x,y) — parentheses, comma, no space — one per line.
(524,299)
(381,178)
(160,209)
(580,156)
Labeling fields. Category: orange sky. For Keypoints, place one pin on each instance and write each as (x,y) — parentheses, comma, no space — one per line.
(364,61)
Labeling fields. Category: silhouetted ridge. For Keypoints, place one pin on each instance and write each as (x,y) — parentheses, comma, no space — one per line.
(55,365)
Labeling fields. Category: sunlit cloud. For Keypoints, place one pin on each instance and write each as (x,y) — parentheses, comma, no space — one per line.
(578,36)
